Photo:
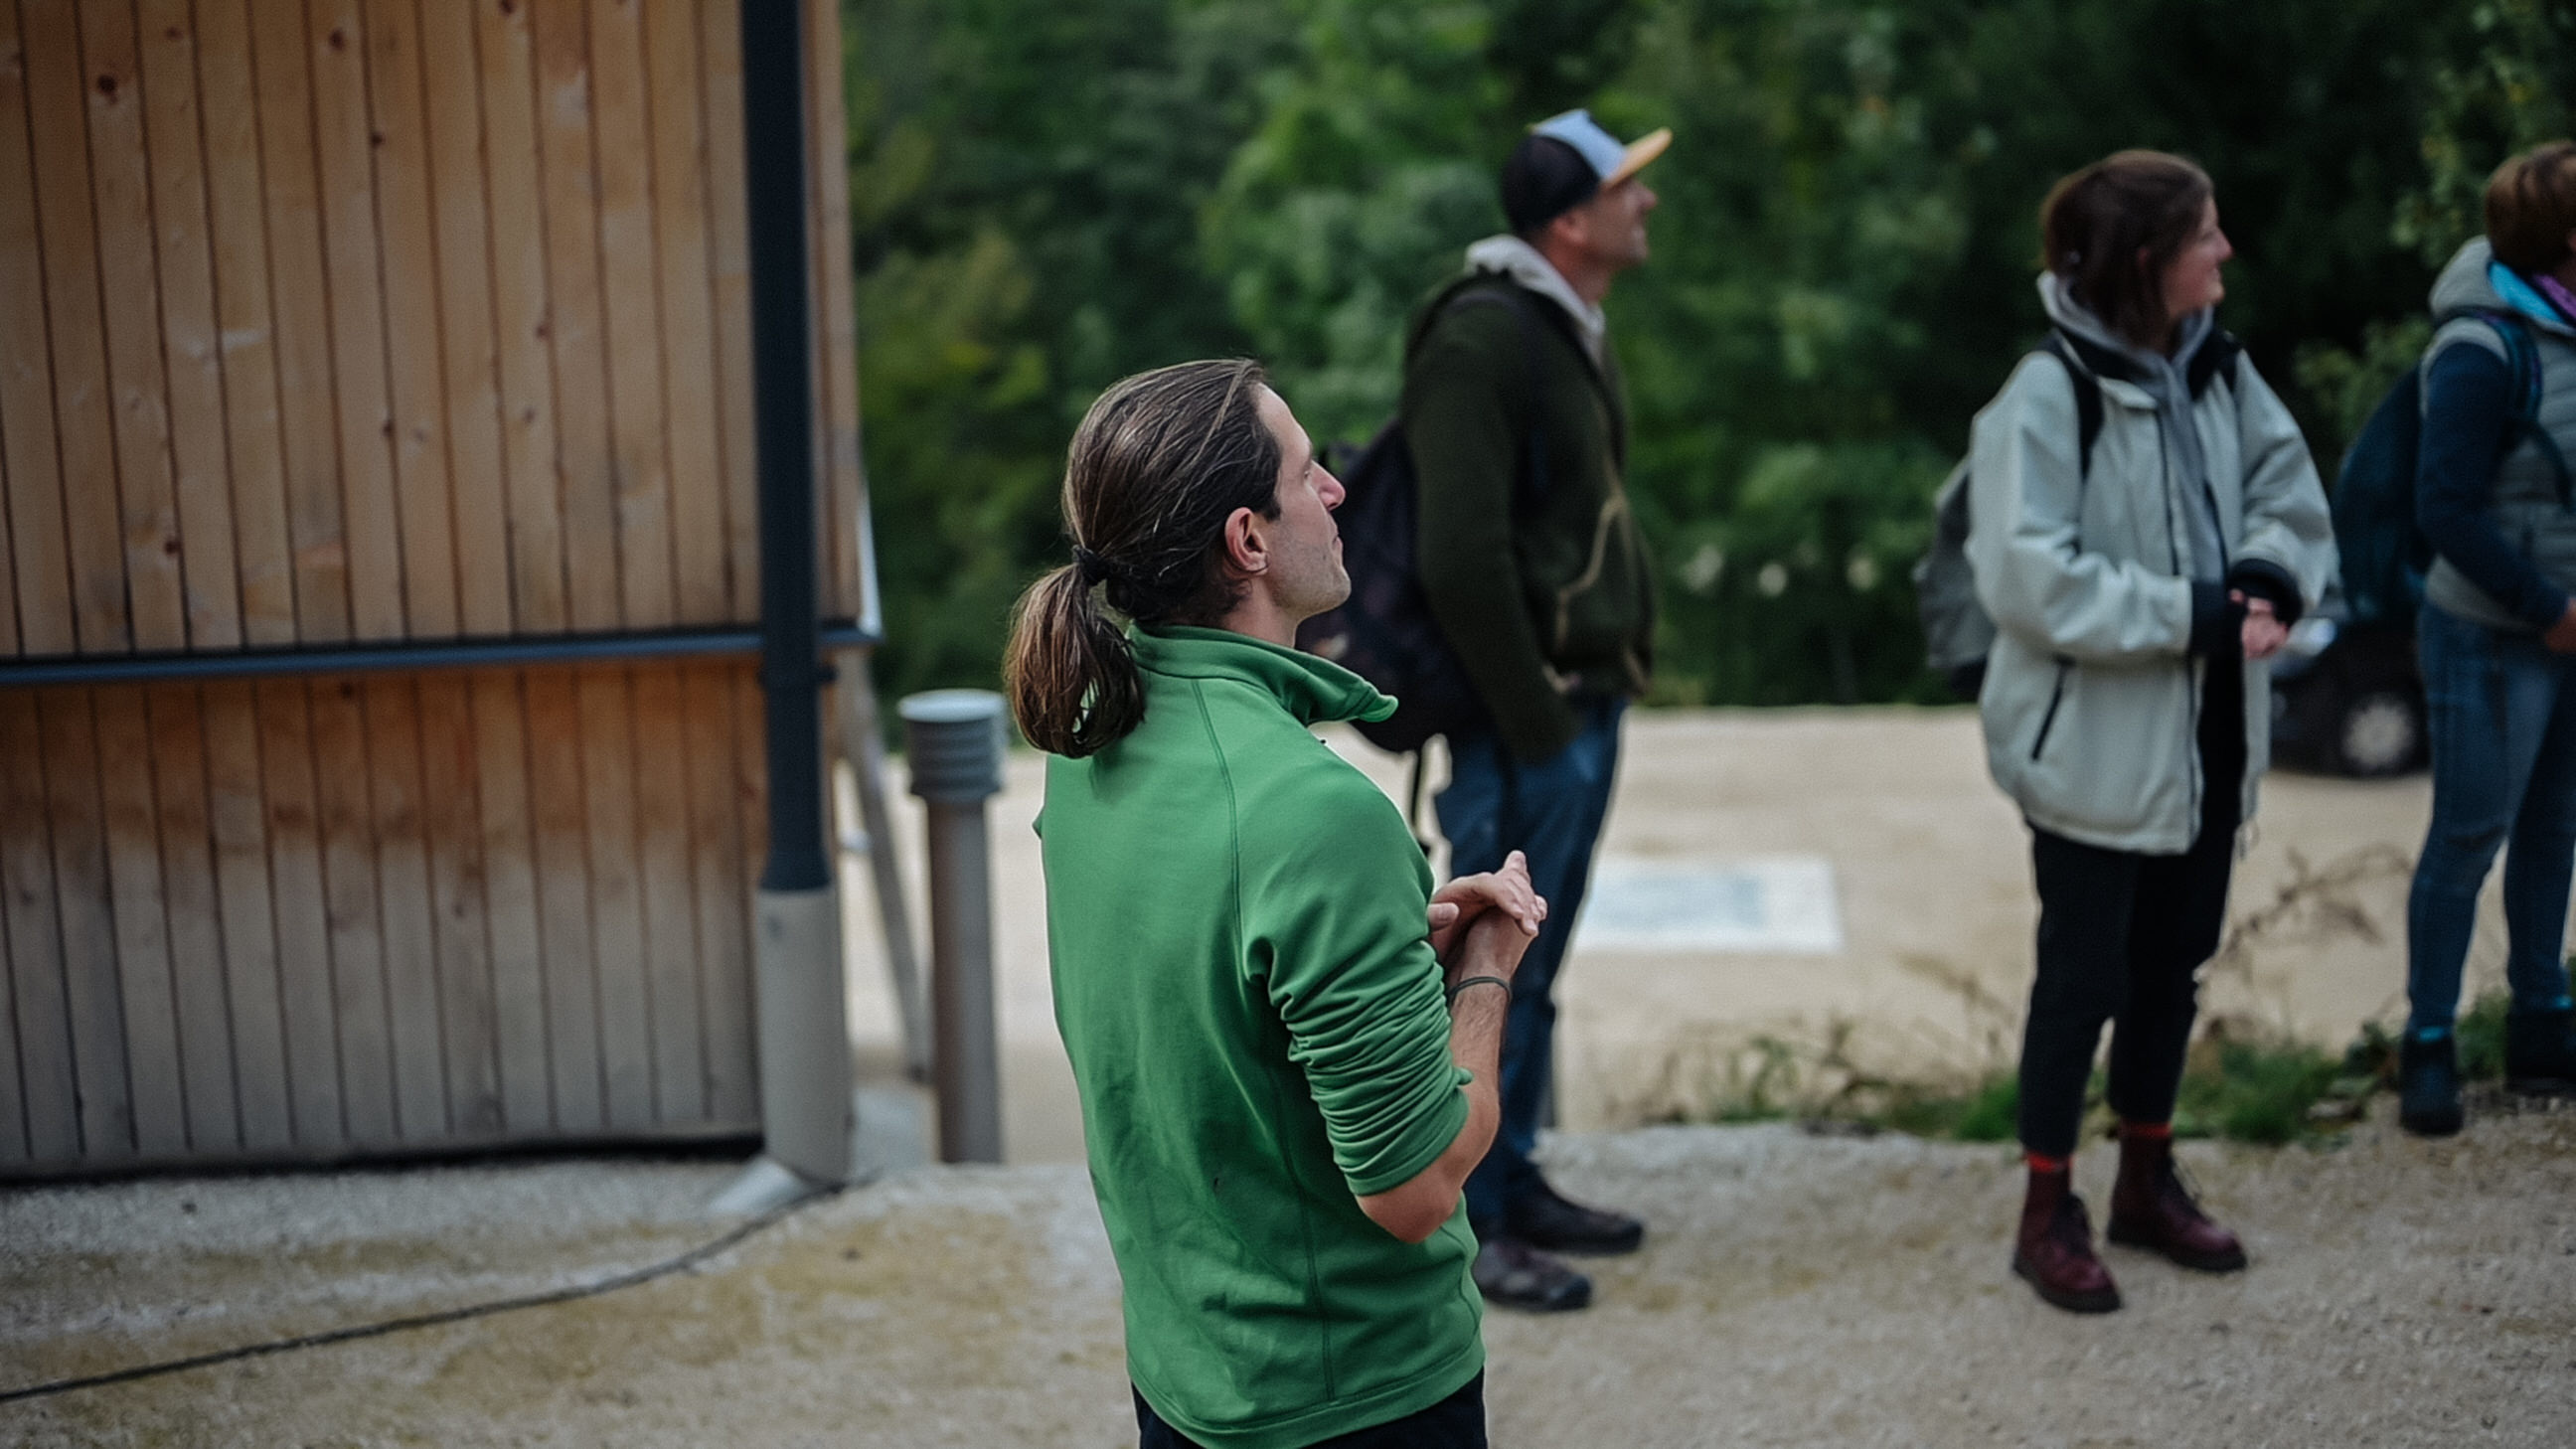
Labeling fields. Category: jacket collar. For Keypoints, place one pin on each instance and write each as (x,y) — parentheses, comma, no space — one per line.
(2473,283)
(1509,256)
(2206,348)
(1313,689)
(2211,358)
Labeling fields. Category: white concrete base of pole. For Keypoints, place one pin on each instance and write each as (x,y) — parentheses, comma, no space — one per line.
(892,1135)
(805,1084)
(764,1187)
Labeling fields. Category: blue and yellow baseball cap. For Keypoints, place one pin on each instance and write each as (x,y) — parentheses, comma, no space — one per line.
(1564,161)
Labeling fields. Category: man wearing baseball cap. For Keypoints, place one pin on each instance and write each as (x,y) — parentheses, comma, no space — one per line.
(1534,570)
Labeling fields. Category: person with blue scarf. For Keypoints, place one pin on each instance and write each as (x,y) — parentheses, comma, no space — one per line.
(2498,635)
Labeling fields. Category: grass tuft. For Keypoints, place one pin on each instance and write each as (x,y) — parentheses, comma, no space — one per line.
(2252,1091)
(2243,1082)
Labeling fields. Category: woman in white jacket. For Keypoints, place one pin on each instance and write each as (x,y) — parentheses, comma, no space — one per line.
(2137,585)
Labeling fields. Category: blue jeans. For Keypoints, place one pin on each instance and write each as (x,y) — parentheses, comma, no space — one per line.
(2503,713)
(1551,812)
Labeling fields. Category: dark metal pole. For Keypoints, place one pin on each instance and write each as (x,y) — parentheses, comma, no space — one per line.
(773,84)
(805,1077)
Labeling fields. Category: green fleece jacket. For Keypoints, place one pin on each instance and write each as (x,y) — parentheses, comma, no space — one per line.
(1537,596)
(1244,982)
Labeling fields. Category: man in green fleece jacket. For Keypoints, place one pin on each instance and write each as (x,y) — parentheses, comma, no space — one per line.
(1285,1044)
(1532,565)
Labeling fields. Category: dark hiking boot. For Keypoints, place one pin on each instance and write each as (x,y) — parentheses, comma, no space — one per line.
(2151,1208)
(1544,1220)
(2428,1084)
(2540,1052)
(1515,1275)
(2054,1249)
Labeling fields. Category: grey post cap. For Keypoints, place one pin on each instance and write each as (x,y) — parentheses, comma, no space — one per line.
(955,739)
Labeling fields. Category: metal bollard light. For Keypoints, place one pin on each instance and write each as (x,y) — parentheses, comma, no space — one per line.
(954,737)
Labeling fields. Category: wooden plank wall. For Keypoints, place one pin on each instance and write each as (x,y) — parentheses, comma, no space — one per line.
(340,320)
(326,321)
(353,915)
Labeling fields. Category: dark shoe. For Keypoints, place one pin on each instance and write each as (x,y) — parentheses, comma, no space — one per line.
(2428,1085)
(2152,1209)
(2054,1249)
(2540,1052)
(1544,1220)
(1516,1275)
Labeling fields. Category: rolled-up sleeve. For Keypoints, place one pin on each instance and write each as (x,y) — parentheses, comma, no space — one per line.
(1341,919)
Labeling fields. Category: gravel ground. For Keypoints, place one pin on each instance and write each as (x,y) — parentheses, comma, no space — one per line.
(1796,1290)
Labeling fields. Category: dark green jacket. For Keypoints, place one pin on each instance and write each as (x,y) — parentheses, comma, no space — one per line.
(1554,595)
(1243,977)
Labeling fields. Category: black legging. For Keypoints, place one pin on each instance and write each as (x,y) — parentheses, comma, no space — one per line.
(2121,939)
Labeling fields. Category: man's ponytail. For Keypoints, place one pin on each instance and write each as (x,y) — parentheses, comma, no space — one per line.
(1159,464)
(1071,678)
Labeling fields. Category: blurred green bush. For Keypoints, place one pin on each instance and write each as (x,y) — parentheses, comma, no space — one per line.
(1049,196)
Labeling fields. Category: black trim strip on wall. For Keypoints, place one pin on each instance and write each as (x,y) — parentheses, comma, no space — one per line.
(441,654)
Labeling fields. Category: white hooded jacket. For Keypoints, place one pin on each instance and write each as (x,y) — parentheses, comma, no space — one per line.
(2091,692)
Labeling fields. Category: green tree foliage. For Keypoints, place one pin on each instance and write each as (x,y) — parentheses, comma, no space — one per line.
(2504,90)
(1050,196)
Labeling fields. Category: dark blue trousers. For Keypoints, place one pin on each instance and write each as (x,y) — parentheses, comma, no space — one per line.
(2503,712)
(1552,812)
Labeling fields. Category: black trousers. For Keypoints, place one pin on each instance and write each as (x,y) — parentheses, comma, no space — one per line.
(2122,937)
(1456,1422)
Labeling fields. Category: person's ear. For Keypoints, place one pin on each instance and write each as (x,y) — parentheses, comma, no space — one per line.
(1247,552)
(1571,228)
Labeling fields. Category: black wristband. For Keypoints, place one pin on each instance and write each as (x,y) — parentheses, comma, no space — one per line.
(1478,981)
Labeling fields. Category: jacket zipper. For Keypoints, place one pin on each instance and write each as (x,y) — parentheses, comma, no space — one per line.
(2056,697)
(2165,495)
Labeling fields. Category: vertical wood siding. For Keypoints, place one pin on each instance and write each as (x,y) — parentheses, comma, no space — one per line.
(308,923)
(326,321)
(338,320)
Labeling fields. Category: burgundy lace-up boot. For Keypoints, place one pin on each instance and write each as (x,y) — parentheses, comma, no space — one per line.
(2054,1249)
(2152,1209)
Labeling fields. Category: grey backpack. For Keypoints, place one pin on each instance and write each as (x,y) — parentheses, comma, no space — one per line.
(1956,632)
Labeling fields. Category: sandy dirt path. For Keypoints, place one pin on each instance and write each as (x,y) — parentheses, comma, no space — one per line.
(1796,1291)
(1931,874)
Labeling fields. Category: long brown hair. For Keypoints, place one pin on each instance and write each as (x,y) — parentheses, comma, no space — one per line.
(1159,464)
(2096,223)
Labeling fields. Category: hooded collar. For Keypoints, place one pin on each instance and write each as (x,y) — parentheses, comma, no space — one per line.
(1509,256)
(2474,281)
(1313,689)
(2173,382)
(2080,323)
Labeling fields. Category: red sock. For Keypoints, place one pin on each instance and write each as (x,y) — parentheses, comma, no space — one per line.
(2149,1130)
(2042,1162)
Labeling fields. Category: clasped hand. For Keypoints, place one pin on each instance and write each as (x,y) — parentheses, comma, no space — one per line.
(1504,899)
(2263,633)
